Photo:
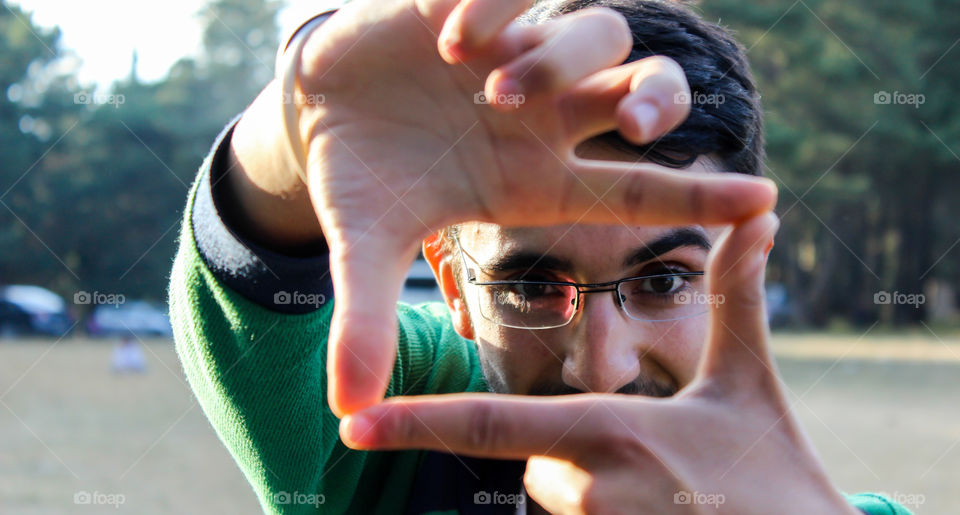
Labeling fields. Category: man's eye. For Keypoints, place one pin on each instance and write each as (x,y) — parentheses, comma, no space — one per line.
(659,285)
(533,291)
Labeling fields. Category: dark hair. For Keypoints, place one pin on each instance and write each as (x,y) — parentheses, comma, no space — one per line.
(729,125)
(730,131)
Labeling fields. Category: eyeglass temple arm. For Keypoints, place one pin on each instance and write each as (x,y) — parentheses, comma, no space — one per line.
(471,274)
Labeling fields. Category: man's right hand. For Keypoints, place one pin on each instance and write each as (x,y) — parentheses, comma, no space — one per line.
(402,145)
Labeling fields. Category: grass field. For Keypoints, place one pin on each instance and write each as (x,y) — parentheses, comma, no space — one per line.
(883,412)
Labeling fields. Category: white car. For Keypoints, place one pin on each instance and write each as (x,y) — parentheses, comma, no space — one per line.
(420,285)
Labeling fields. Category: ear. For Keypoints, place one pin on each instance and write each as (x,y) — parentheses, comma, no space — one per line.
(440,262)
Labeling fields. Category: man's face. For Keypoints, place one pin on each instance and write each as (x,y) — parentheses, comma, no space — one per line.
(601,349)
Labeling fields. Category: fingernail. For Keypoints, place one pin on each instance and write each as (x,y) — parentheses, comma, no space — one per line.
(356,427)
(646,116)
(508,88)
(450,43)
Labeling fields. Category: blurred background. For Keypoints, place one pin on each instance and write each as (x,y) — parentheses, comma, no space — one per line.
(108,107)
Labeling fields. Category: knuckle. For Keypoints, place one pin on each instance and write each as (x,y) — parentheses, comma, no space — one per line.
(665,66)
(538,71)
(634,193)
(617,437)
(630,447)
(695,200)
(659,75)
(394,426)
(486,427)
(598,500)
(750,300)
(612,25)
(468,29)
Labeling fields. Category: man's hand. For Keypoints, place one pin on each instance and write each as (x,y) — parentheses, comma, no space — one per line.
(403,144)
(726,443)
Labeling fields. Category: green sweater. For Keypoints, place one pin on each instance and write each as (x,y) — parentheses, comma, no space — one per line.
(258,370)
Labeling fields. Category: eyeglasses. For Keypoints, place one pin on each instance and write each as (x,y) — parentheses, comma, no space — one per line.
(522,304)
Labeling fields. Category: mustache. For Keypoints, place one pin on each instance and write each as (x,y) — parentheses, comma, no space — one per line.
(640,386)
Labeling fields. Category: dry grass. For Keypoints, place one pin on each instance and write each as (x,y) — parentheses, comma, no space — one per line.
(882,411)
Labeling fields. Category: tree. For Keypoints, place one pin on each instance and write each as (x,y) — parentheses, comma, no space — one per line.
(101,210)
(861,120)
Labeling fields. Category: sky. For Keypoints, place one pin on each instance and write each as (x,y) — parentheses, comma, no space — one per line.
(104,33)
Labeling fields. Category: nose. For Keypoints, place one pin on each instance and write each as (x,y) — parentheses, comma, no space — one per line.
(602,354)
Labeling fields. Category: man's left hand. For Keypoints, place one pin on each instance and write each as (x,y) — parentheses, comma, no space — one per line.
(726,443)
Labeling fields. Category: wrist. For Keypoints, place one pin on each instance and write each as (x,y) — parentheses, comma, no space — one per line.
(262,194)
(292,99)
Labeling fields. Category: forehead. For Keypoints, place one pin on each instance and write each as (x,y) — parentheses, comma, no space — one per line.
(605,246)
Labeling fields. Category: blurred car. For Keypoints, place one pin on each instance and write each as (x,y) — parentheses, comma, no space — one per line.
(26,309)
(420,285)
(131,317)
(780,310)
(14,320)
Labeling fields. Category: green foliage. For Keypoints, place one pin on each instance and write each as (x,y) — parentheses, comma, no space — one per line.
(865,185)
(94,202)
(91,194)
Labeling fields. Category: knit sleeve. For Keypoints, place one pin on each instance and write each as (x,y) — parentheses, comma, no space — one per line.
(258,370)
(876,504)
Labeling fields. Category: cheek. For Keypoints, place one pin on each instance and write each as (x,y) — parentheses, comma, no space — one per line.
(519,358)
(683,344)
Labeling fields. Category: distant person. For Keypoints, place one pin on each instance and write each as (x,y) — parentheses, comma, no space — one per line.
(128,357)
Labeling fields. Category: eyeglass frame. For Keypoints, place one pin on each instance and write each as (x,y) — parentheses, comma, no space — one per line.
(609,286)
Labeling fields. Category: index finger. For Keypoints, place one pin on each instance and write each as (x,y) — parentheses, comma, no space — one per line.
(647,194)
(488,425)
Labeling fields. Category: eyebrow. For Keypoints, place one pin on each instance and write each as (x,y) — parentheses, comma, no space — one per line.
(673,239)
(526,260)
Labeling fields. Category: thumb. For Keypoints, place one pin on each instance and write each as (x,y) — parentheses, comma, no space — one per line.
(367,277)
(737,345)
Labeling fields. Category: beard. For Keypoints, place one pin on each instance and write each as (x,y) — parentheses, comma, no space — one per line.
(640,386)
